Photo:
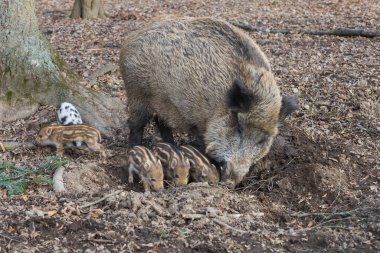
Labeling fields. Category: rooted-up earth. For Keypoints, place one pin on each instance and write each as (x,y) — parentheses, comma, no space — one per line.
(316,191)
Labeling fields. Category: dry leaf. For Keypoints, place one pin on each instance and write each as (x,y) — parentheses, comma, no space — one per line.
(51,213)
(25,196)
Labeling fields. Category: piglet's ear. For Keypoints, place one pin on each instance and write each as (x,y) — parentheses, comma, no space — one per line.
(239,97)
(289,104)
(173,163)
(204,172)
(48,131)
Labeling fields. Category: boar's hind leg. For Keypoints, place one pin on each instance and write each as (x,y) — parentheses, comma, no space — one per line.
(136,124)
(165,130)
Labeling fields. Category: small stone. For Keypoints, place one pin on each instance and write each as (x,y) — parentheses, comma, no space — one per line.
(342,96)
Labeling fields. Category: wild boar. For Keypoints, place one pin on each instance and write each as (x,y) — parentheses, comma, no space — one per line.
(142,162)
(201,170)
(207,77)
(61,136)
(175,165)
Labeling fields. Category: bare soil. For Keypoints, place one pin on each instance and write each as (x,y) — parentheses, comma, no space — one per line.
(316,191)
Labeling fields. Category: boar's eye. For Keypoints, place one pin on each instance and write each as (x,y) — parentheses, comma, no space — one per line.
(262,140)
(153,180)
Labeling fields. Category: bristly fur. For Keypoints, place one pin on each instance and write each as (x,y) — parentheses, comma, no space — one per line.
(206,76)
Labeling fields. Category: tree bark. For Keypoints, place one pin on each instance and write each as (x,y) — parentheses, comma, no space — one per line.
(31,73)
(88,9)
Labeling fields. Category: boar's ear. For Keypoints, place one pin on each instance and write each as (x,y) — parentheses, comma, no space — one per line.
(289,104)
(239,97)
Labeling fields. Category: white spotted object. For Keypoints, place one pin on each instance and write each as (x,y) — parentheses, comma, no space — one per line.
(68,114)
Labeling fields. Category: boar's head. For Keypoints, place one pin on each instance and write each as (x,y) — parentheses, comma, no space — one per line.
(245,134)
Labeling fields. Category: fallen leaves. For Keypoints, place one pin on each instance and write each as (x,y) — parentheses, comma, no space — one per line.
(335,79)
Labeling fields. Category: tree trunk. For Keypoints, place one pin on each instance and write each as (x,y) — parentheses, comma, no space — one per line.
(88,9)
(31,73)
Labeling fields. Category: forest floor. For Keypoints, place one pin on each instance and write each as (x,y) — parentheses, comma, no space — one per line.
(316,191)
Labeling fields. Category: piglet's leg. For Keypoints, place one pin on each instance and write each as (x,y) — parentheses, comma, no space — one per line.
(60,149)
(97,147)
(131,169)
(146,185)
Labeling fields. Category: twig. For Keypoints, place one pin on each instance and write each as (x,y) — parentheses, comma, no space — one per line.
(100,200)
(58,184)
(338,227)
(324,215)
(101,240)
(2,147)
(12,145)
(344,32)
(103,70)
(198,184)
(327,215)
(192,216)
(325,222)
(9,238)
(195,216)
(221,223)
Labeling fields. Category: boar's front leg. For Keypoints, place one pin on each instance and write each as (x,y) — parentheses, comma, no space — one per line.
(136,123)
(165,131)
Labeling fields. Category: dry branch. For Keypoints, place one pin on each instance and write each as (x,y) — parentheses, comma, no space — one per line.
(12,145)
(221,223)
(192,216)
(195,216)
(343,32)
(326,215)
(101,240)
(100,200)
(58,184)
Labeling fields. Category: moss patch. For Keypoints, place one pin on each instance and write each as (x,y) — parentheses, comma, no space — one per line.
(8,96)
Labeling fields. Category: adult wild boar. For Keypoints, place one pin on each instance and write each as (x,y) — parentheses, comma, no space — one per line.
(207,77)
